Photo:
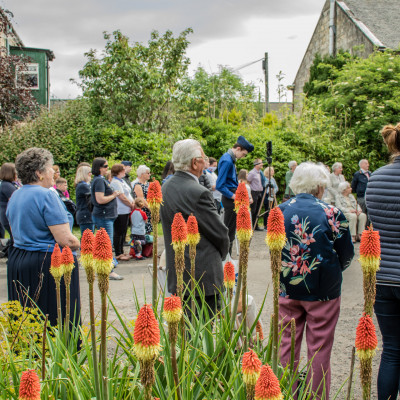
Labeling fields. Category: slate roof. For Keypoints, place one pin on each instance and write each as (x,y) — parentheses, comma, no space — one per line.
(381,18)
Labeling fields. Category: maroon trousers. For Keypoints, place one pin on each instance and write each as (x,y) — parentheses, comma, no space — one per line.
(319,319)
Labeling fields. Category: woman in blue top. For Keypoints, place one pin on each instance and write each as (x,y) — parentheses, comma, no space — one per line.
(83,197)
(38,221)
(317,251)
(104,202)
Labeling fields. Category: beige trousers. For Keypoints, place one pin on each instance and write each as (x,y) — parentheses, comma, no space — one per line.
(352,218)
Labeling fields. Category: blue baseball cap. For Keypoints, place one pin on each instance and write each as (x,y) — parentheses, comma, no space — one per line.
(242,142)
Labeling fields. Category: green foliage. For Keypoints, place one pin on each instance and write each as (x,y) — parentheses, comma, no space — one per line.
(362,95)
(221,95)
(136,84)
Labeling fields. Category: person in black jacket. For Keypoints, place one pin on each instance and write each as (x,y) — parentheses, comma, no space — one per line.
(182,193)
(83,198)
(383,203)
(359,184)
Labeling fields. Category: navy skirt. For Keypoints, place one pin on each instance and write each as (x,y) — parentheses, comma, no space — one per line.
(28,277)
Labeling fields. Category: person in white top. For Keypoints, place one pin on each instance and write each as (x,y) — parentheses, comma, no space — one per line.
(212,176)
(124,207)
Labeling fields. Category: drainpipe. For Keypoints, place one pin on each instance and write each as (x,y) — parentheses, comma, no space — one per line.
(332,28)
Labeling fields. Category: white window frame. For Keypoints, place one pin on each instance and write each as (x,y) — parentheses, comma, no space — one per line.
(28,69)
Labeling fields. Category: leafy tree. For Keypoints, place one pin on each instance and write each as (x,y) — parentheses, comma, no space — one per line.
(363,95)
(136,84)
(223,95)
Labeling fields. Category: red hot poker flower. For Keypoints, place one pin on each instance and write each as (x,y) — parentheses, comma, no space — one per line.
(87,242)
(241,197)
(251,368)
(154,194)
(172,309)
(243,224)
(56,268)
(193,236)
(259,330)
(267,386)
(229,275)
(276,235)
(102,253)
(366,340)
(370,250)
(29,387)
(67,260)
(179,232)
(146,334)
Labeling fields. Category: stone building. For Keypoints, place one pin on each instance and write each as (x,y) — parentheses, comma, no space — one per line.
(36,72)
(360,26)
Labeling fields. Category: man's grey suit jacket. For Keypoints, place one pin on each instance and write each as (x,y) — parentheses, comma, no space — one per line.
(182,193)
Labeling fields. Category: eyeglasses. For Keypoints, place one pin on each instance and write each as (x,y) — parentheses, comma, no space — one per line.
(105,166)
(202,158)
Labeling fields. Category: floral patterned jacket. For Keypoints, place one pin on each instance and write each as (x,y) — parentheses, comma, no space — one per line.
(318,249)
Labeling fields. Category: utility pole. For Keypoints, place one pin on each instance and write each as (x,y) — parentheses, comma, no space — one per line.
(265,68)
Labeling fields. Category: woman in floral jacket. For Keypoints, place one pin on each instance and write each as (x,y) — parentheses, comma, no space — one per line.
(318,250)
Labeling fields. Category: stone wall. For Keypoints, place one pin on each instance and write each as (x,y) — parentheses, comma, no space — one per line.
(348,36)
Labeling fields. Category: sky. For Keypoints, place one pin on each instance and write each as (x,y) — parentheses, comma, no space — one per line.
(230,33)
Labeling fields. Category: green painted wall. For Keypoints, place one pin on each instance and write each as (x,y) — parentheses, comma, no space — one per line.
(38,56)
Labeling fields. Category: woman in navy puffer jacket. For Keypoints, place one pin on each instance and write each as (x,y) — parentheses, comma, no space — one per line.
(383,204)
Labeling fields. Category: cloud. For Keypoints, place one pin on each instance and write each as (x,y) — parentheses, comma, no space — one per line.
(70,28)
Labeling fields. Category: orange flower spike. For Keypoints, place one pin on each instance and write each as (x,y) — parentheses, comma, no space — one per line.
(241,197)
(251,368)
(154,194)
(146,335)
(267,386)
(172,309)
(193,236)
(56,263)
(229,275)
(87,244)
(102,253)
(67,260)
(370,250)
(179,232)
(243,225)
(366,340)
(259,330)
(276,235)
(29,387)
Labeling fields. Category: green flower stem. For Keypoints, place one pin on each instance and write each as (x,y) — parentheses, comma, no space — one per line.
(103,287)
(275,266)
(243,261)
(173,330)
(93,338)
(192,255)
(155,216)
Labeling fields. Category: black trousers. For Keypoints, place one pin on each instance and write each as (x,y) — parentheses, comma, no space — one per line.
(120,229)
(257,197)
(229,217)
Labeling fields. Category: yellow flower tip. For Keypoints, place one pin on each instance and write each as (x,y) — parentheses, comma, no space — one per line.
(278,397)
(173,316)
(250,378)
(178,246)
(193,239)
(57,272)
(86,260)
(146,353)
(275,241)
(365,354)
(102,267)
(244,235)
(369,263)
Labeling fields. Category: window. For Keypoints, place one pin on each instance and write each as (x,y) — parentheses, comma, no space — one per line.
(28,75)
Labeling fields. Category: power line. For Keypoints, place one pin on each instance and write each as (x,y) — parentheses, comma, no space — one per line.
(247,65)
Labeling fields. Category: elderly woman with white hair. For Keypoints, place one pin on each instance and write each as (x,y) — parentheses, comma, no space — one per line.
(317,251)
(336,177)
(352,211)
(140,189)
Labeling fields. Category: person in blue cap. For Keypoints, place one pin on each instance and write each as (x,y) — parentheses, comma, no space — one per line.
(227,182)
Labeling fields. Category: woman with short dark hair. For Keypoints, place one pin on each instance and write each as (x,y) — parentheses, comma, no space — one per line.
(8,176)
(124,207)
(83,197)
(104,202)
(38,221)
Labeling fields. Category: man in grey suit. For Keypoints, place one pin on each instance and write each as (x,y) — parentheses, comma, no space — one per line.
(183,193)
